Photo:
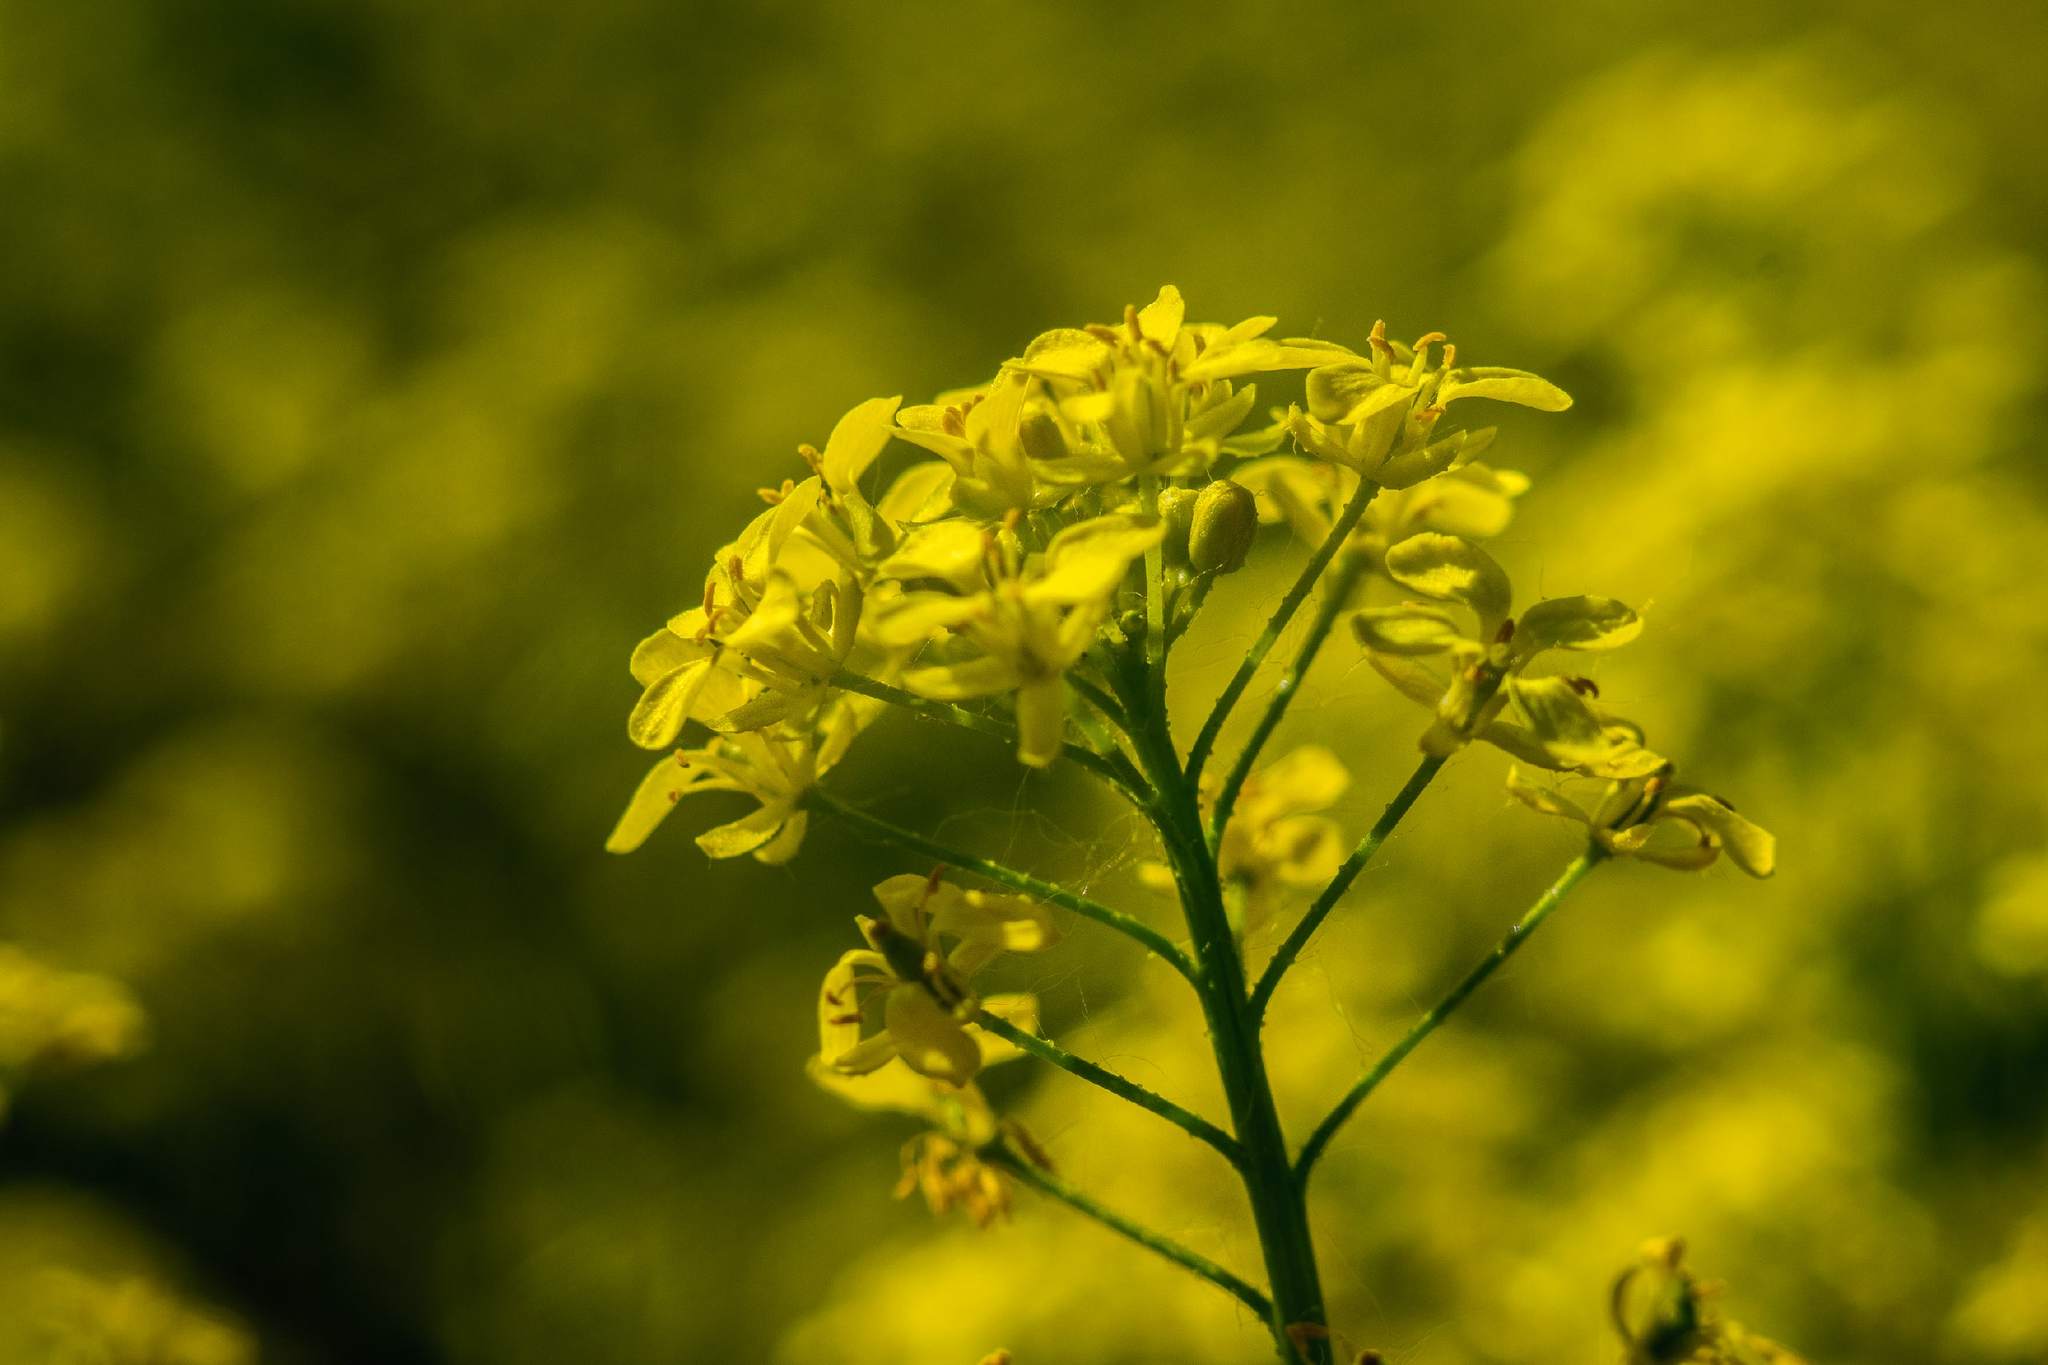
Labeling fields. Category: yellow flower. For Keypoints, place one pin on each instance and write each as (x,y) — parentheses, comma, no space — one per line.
(1011,622)
(1662,822)
(1155,394)
(54,1018)
(932,938)
(1558,728)
(776,768)
(1377,415)
(1277,845)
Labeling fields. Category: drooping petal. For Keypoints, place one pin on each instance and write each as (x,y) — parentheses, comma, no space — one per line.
(1041,721)
(656,796)
(1544,799)
(1409,631)
(1560,720)
(1453,570)
(1749,846)
(1583,623)
(930,1040)
(839,1002)
(1503,386)
(743,835)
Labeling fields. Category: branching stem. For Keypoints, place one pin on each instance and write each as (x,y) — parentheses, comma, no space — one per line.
(1050,1185)
(1311,920)
(1014,880)
(1305,582)
(1349,570)
(1117,775)
(1573,874)
(1045,1050)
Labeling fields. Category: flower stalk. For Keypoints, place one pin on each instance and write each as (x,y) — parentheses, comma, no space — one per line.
(995,587)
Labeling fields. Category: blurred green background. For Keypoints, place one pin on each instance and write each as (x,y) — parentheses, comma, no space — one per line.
(373,375)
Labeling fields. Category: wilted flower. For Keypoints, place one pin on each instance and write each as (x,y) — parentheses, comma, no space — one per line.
(1662,822)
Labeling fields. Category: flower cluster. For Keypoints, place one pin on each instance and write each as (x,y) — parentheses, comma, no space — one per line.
(988,572)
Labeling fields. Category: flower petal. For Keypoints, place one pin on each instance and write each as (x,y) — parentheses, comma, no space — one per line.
(930,1040)
(1453,570)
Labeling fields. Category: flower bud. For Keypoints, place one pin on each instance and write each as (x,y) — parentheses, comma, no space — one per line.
(1226,522)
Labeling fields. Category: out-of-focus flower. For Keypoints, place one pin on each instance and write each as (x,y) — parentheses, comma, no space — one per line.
(130,1322)
(933,937)
(1277,844)
(1664,1316)
(57,1019)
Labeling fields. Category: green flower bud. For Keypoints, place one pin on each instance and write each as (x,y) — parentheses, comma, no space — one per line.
(1226,522)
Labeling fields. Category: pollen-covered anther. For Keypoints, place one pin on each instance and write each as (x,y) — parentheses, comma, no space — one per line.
(811,457)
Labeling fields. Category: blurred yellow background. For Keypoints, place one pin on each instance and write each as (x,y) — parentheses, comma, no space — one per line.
(373,375)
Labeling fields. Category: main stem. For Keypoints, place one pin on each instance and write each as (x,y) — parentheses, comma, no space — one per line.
(1279,1208)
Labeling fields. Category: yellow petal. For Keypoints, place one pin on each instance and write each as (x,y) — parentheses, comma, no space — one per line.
(1160,319)
(930,1040)
(855,442)
(1041,721)
(1749,846)
(658,717)
(656,796)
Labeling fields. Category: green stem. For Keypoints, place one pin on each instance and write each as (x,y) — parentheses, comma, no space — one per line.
(1050,1185)
(1298,937)
(1194,1125)
(1278,1209)
(949,714)
(1270,636)
(1443,1009)
(1017,881)
(1348,573)
(1155,583)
